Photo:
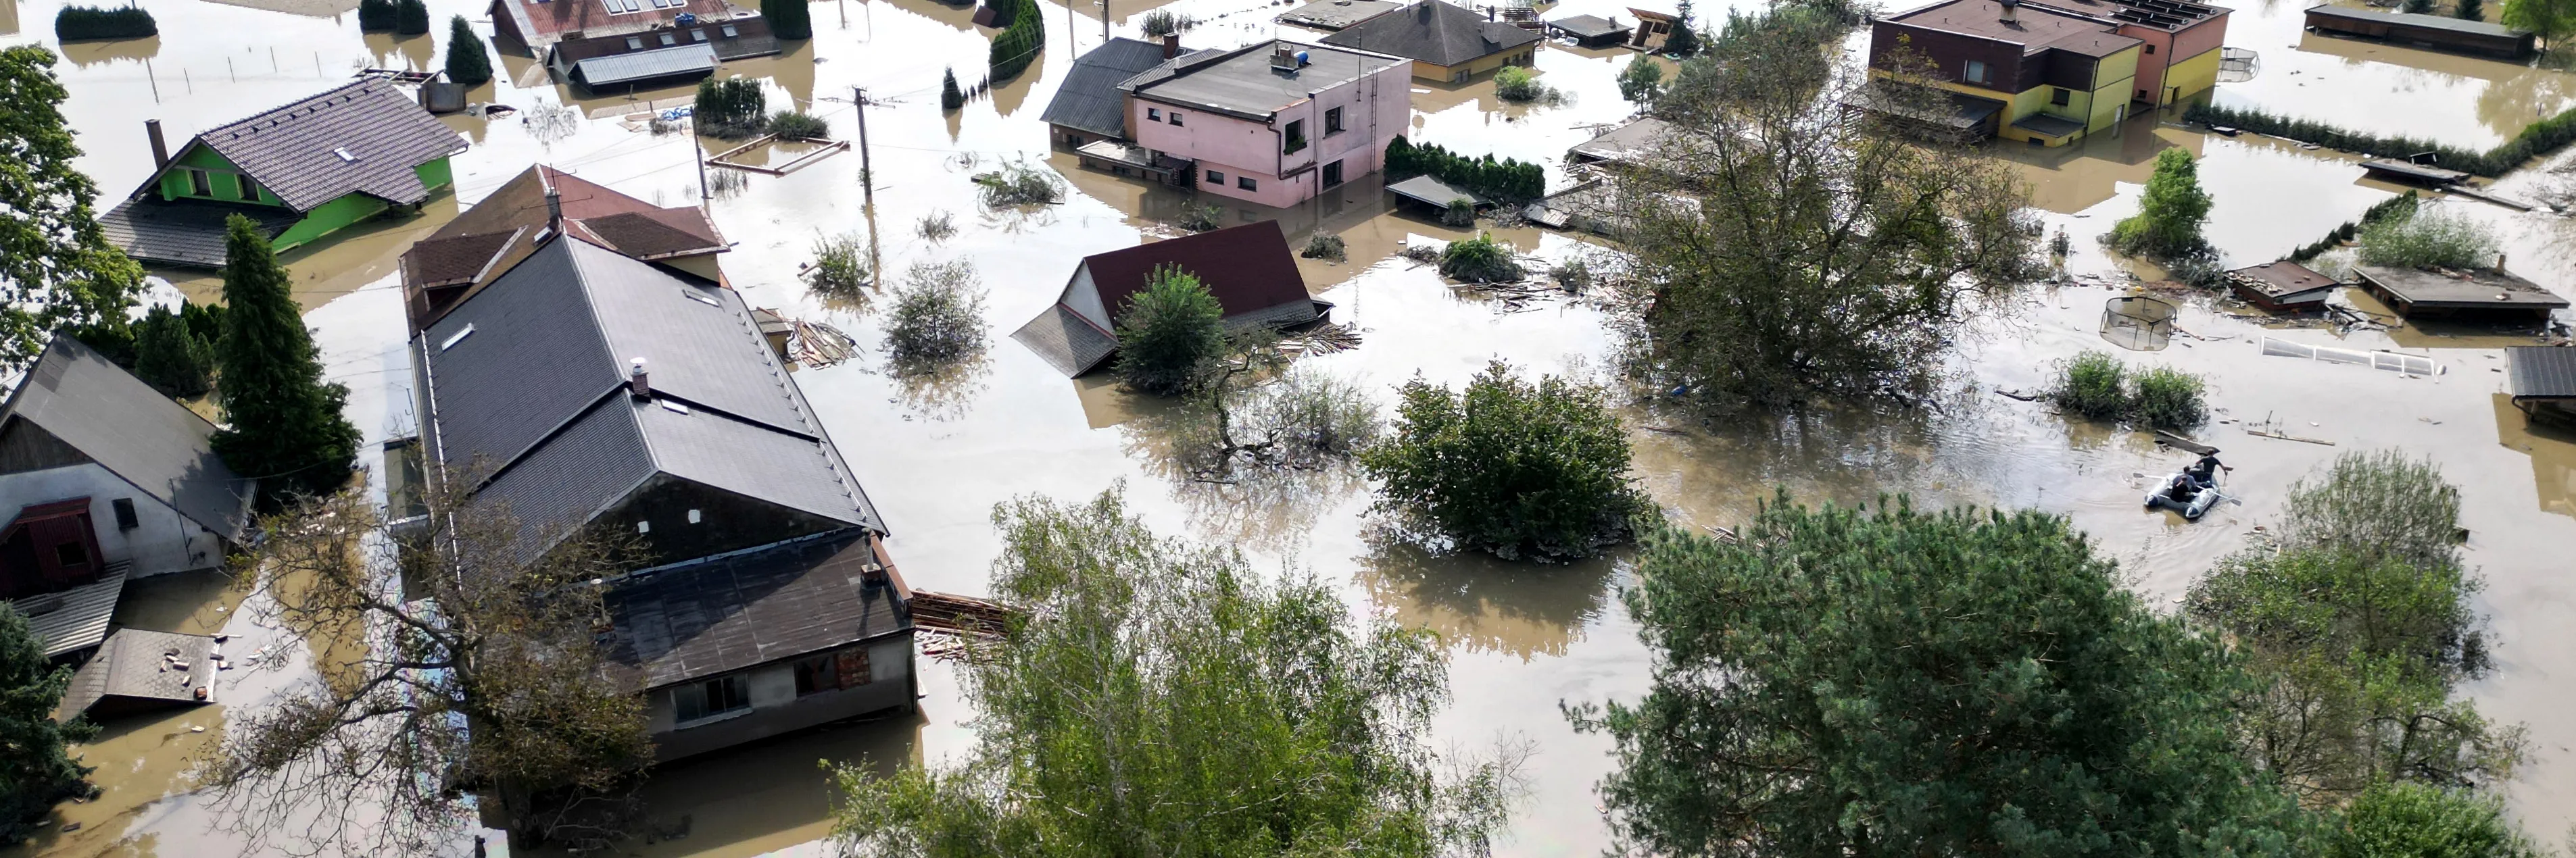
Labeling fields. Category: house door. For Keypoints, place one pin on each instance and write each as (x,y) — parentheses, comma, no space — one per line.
(1332,174)
(49,547)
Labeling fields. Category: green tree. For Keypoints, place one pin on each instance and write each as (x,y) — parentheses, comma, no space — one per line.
(1684,40)
(950,97)
(467,62)
(788,19)
(1508,466)
(2170,212)
(1844,682)
(1157,697)
(2551,20)
(1168,333)
(56,268)
(283,422)
(2470,10)
(1641,81)
(411,18)
(2408,820)
(172,358)
(36,769)
(376,16)
(2419,7)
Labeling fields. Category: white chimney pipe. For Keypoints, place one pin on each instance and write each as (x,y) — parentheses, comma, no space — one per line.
(635,380)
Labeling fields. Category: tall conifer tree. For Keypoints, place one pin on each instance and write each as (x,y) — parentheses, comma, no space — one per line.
(283,421)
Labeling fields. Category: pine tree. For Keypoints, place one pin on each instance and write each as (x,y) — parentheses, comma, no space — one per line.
(467,63)
(38,770)
(1684,40)
(376,16)
(411,18)
(284,421)
(788,19)
(170,357)
(950,97)
(2470,10)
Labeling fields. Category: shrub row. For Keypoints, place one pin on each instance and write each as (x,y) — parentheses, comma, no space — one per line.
(1507,180)
(2095,385)
(76,23)
(2539,138)
(733,107)
(1023,35)
(2402,206)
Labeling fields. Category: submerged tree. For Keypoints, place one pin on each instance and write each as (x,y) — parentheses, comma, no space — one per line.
(1158,697)
(1781,252)
(2170,212)
(36,769)
(283,422)
(1892,682)
(1168,333)
(2551,20)
(2408,820)
(480,673)
(937,318)
(411,18)
(788,19)
(950,97)
(467,62)
(56,268)
(1508,466)
(1641,81)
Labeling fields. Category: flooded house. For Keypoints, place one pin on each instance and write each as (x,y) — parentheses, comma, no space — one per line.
(1446,43)
(1590,31)
(1654,26)
(2282,286)
(103,479)
(1088,107)
(585,388)
(2439,32)
(2180,54)
(2542,382)
(2490,294)
(624,43)
(1331,15)
(2021,71)
(1271,123)
(485,241)
(1248,268)
(300,171)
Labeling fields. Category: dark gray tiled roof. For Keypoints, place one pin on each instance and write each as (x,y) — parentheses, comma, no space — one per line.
(1068,343)
(183,232)
(1433,32)
(1241,82)
(1587,26)
(2545,372)
(290,149)
(136,433)
(537,392)
(1089,98)
(133,666)
(727,613)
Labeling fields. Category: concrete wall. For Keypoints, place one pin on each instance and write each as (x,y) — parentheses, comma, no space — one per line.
(1375,108)
(775,708)
(162,540)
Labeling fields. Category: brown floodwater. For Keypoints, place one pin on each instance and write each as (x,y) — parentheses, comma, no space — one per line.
(937,455)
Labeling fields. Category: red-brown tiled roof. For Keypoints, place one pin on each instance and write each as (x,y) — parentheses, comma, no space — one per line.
(1248,268)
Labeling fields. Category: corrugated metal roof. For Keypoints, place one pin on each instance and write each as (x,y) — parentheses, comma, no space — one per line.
(1433,32)
(136,433)
(2430,22)
(294,150)
(1089,98)
(2544,372)
(76,618)
(646,65)
(727,613)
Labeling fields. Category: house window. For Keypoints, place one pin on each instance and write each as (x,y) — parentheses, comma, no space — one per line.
(697,35)
(249,188)
(669,39)
(727,30)
(712,698)
(1176,117)
(200,184)
(1296,137)
(1246,183)
(2151,49)
(125,517)
(71,554)
(1153,114)
(2060,96)
(1216,178)
(832,671)
(635,43)
(1332,122)
(1977,72)
(1332,174)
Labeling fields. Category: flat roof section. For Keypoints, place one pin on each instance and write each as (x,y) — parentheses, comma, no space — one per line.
(2423,22)
(1243,84)
(1336,14)
(2461,290)
(1587,26)
(2541,372)
(2035,28)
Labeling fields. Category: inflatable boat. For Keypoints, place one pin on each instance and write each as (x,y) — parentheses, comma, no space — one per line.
(2182,494)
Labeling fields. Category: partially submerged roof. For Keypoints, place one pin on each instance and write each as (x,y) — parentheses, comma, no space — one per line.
(1089,98)
(361,137)
(655,64)
(1588,26)
(1247,268)
(1336,14)
(2282,278)
(1630,143)
(1243,83)
(1433,32)
(2047,125)
(75,619)
(484,241)
(2419,21)
(155,231)
(2166,15)
(528,378)
(138,669)
(2540,372)
(2446,289)
(1066,341)
(545,21)
(1429,190)
(82,399)
(2034,28)
(733,611)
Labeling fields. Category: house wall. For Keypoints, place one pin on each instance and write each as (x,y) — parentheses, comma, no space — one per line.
(1950,53)
(775,708)
(2153,58)
(1465,71)
(1375,108)
(435,174)
(330,217)
(162,541)
(2191,77)
(225,179)
(726,521)
(703,265)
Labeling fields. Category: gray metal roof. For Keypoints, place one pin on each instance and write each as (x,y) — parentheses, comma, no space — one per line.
(1336,14)
(536,392)
(135,433)
(1630,143)
(646,65)
(183,232)
(1240,82)
(727,613)
(1433,32)
(1089,98)
(294,150)
(1588,26)
(2541,372)
(2430,22)
(1432,191)
(76,618)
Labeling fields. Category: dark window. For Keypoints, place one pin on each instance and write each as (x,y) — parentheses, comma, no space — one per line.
(669,40)
(1296,137)
(1176,117)
(697,35)
(1153,114)
(125,518)
(635,43)
(1246,183)
(1332,174)
(249,188)
(1976,72)
(72,554)
(200,184)
(816,674)
(728,31)
(713,697)
(2060,97)
(1333,121)
(2151,49)
(1216,178)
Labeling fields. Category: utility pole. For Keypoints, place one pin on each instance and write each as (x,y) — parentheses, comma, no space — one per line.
(867,174)
(1104,22)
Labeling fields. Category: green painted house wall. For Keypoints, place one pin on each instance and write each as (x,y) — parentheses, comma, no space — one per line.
(330,217)
(226,182)
(435,174)
(222,178)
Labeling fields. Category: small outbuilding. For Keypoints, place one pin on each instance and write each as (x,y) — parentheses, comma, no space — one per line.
(2542,382)
(1654,26)
(1630,144)
(2483,293)
(2438,32)
(1590,31)
(139,671)
(1248,268)
(2282,286)
(1438,195)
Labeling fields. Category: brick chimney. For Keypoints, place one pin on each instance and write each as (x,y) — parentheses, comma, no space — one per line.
(160,150)
(636,382)
(1171,45)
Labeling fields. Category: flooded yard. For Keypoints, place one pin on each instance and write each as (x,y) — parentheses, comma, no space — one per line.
(935,457)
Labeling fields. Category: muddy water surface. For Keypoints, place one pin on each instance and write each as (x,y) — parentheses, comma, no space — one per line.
(937,455)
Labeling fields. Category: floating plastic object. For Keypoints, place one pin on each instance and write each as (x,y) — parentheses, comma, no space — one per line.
(2138,323)
(2396,362)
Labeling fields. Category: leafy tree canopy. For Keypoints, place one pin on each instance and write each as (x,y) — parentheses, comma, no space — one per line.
(2551,20)
(1508,466)
(2170,212)
(2411,820)
(1169,332)
(56,268)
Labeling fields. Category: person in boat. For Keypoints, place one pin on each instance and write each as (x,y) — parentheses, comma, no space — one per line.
(2204,473)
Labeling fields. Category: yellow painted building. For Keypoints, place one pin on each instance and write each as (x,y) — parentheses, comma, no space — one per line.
(2053,76)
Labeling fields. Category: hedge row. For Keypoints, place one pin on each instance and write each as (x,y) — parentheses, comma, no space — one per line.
(2398,206)
(1023,35)
(76,23)
(1507,180)
(2540,138)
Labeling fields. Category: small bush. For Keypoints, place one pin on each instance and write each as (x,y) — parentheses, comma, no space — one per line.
(1325,245)
(1517,83)
(376,16)
(2429,240)
(733,107)
(2059,245)
(1165,22)
(1479,260)
(467,62)
(1508,466)
(1168,333)
(937,318)
(2405,818)
(411,18)
(2400,207)
(1018,184)
(77,23)
(1201,218)
(2092,384)
(2166,398)
(936,227)
(795,127)
(2096,386)
(840,265)
(1461,213)
(1571,274)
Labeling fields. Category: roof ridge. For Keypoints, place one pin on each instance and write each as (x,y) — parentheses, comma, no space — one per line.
(360,83)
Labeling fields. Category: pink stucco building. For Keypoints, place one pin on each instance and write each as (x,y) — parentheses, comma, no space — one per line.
(1272,122)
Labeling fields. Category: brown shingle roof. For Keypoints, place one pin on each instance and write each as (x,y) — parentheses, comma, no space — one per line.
(296,150)
(461,252)
(1248,268)
(451,261)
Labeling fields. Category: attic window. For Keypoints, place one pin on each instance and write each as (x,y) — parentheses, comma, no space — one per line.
(700,297)
(343,152)
(728,31)
(674,406)
(458,337)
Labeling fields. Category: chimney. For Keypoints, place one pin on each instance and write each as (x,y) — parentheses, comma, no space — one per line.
(635,380)
(2011,10)
(2499,263)
(1282,57)
(160,150)
(1489,13)
(1171,45)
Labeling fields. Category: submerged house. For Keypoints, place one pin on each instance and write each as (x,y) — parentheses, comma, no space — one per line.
(301,171)
(2021,71)
(1248,268)
(2486,293)
(1088,106)
(584,388)
(625,43)
(1446,43)
(2179,52)
(103,479)
(2542,382)
(471,251)
(1272,123)
(2439,32)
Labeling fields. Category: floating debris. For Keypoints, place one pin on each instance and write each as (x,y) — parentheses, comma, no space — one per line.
(818,345)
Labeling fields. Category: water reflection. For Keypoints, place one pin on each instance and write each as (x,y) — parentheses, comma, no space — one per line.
(2552,450)
(410,53)
(945,393)
(754,799)
(86,54)
(1485,603)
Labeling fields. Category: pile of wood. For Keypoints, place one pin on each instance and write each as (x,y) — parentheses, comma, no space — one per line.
(817,345)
